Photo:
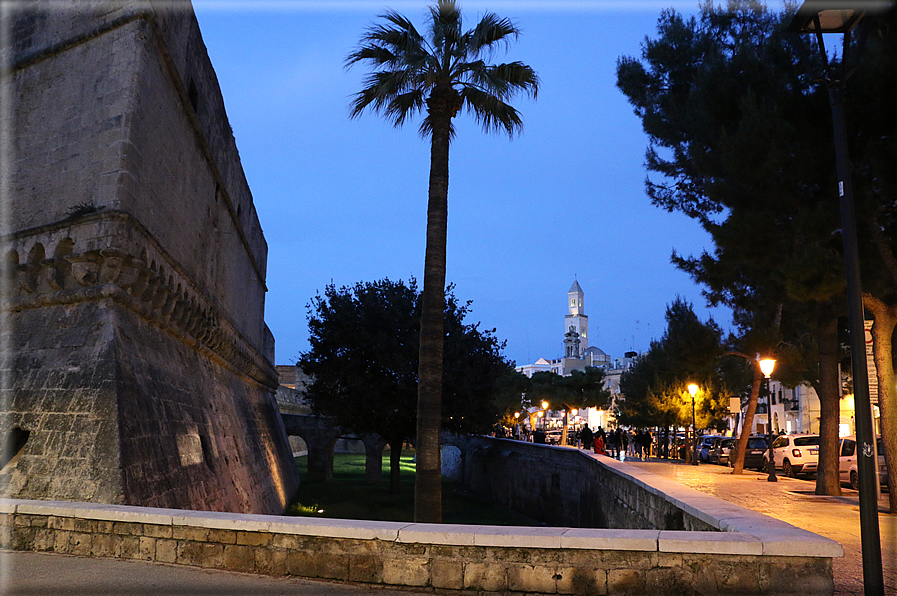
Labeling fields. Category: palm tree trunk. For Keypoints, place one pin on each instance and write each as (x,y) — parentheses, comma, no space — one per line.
(828,481)
(428,478)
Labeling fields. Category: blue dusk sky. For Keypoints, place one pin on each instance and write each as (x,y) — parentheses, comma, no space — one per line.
(345,200)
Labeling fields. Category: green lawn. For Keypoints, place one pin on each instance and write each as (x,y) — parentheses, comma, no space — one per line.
(348,497)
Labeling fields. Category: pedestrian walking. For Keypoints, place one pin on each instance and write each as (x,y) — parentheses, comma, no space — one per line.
(612,443)
(587,438)
(624,444)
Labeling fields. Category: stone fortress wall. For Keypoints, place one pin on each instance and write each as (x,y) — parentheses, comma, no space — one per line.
(138,367)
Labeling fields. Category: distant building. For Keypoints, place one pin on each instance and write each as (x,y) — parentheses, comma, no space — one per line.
(578,355)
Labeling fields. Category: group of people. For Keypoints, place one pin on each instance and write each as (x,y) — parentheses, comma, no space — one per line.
(617,443)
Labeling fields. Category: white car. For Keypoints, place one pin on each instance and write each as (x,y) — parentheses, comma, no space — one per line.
(796,454)
(848,467)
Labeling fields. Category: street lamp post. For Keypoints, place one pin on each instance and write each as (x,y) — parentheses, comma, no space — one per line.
(767,365)
(693,390)
(819,18)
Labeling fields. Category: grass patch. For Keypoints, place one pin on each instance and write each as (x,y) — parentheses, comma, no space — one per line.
(348,497)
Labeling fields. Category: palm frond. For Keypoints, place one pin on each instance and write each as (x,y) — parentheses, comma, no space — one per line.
(503,80)
(380,88)
(491,112)
(491,31)
(404,105)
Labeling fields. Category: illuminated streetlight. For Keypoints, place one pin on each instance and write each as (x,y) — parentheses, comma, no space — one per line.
(767,365)
(693,390)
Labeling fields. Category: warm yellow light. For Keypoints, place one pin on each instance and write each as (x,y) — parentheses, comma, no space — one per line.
(767,365)
(544,405)
(516,414)
(573,411)
(693,389)
(540,414)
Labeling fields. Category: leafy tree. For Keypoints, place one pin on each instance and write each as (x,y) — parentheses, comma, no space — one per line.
(363,363)
(735,140)
(443,72)
(654,391)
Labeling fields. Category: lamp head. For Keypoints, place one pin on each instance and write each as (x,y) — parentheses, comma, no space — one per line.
(544,405)
(693,389)
(767,365)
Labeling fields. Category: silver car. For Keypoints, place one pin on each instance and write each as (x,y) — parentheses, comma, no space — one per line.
(848,467)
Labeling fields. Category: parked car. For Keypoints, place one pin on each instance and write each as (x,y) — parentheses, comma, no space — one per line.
(848,468)
(705,446)
(719,453)
(553,437)
(796,454)
(755,454)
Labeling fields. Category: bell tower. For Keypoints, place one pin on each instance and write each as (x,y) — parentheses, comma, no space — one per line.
(576,319)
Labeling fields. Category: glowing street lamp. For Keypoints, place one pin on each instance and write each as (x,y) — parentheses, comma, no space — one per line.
(693,390)
(767,365)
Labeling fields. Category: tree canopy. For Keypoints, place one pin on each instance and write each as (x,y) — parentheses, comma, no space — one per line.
(655,390)
(363,362)
(740,140)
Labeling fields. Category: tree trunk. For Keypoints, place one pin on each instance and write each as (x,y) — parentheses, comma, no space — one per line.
(738,465)
(428,478)
(373,458)
(828,481)
(882,338)
(395,460)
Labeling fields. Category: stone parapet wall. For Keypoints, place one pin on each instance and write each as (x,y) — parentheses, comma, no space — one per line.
(489,559)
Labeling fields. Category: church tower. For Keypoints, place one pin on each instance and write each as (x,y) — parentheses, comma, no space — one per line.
(576,320)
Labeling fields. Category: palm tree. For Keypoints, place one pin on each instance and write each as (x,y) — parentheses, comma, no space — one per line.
(444,72)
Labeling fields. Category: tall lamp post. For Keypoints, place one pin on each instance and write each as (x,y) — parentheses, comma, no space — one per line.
(818,18)
(767,365)
(693,390)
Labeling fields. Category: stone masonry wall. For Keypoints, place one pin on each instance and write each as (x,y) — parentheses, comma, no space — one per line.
(562,486)
(138,367)
(466,559)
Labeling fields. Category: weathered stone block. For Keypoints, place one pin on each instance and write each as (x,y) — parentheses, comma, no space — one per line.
(80,544)
(286,541)
(366,568)
(146,548)
(190,533)
(271,561)
(447,574)
(254,538)
(223,536)
(156,531)
(201,554)
(410,571)
(239,558)
(532,578)
(105,545)
(485,576)
(126,528)
(166,550)
(583,581)
(626,582)
(302,564)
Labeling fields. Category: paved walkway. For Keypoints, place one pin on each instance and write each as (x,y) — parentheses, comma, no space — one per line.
(792,500)
(45,574)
